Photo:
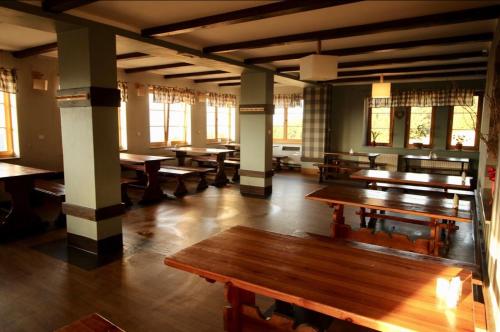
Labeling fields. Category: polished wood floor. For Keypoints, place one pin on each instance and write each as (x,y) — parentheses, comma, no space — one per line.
(138,292)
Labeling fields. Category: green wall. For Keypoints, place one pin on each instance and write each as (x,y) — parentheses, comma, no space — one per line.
(349,124)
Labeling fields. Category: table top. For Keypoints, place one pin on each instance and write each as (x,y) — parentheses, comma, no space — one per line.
(189,149)
(417,205)
(379,291)
(354,154)
(139,158)
(438,158)
(232,145)
(11,171)
(422,179)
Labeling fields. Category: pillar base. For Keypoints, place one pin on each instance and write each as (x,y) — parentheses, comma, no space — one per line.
(255,191)
(107,246)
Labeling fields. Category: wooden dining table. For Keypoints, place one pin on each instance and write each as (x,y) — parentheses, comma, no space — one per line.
(381,291)
(149,165)
(461,161)
(220,177)
(419,179)
(19,183)
(370,155)
(437,214)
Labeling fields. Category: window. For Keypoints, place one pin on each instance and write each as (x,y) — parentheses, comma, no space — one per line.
(122,126)
(380,120)
(287,123)
(464,125)
(169,123)
(420,126)
(8,124)
(221,123)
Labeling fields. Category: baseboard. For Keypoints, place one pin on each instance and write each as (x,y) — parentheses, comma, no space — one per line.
(255,191)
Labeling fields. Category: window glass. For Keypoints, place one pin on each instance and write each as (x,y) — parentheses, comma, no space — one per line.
(380,125)
(464,124)
(420,129)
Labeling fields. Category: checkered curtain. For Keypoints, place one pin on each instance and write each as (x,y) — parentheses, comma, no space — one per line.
(221,100)
(423,98)
(289,100)
(316,124)
(8,80)
(123,87)
(170,95)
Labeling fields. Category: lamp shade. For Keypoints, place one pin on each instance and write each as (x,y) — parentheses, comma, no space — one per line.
(381,90)
(318,67)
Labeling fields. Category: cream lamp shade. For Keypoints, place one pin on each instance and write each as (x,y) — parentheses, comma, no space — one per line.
(318,67)
(381,89)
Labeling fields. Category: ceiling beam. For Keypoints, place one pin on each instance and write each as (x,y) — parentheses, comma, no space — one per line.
(219,79)
(59,6)
(200,73)
(157,67)
(481,37)
(482,65)
(389,78)
(132,55)
(230,84)
(396,61)
(468,15)
(243,15)
(41,49)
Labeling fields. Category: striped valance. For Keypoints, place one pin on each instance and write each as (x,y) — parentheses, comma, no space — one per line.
(8,80)
(123,87)
(289,100)
(169,95)
(221,100)
(425,98)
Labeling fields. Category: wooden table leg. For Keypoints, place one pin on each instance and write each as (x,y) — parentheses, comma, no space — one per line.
(338,219)
(373,165)
(181,157)
(235,298)
(362,212)
(180,189)
(278,164)
(153,191)
(220,178)
(435,237)
(21,216)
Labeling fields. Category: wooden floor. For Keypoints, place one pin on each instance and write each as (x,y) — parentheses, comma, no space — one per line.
(139,293)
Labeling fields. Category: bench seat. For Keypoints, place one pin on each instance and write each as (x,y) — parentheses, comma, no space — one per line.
(412,188)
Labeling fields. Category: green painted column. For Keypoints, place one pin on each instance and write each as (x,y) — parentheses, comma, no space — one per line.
(256,133)
(88,99)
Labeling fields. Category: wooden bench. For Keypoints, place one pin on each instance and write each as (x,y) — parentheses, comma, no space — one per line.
(91,323)
(343,166)
(180,175)
(232,162)
(200,171)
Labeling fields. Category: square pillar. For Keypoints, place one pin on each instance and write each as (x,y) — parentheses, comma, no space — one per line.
(89,101)
(256,133)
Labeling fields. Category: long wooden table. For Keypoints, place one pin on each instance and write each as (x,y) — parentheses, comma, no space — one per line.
(381,291)
(150,165)
(420,179)
(371,156)
(19,183)
(435,210)
(220,177)
(461,161)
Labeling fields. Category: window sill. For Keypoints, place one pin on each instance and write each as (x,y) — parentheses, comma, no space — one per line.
(9,157)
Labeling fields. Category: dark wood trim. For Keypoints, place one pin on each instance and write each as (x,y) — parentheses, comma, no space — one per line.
(218,79)
(480,37)
(243,15)
(36,50)
(256,174)
(199,73)
(230,84)
(468,65)
(104,246)
(369,130)
(311,160)
(370,79)
(59,6)
(93,214)
(88,96)
(455,17)
(255,191)
(478,126)
(157,67)
(407,128)
(131,55)
(256,109)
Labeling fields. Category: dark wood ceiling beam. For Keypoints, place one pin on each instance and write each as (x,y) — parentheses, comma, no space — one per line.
(132,55)
(41,49)
(243,15)
(481,37)
(462,16)
(380,71)
(59,6)
(157,67)
(200,73)
(389,78)
(220,79)
(230,84)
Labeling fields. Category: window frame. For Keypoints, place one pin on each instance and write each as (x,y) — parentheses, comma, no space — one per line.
(9,130)
(120,129)
(369,129)
(407,128)
(166,125)
(230,124)
(480,96)
(286,140)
